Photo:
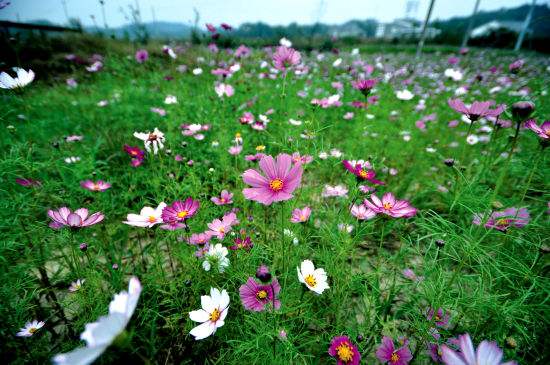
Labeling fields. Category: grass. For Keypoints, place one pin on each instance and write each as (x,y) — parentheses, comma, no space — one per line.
(495,284)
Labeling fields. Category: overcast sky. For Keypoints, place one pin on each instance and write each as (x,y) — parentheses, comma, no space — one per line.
(236,12)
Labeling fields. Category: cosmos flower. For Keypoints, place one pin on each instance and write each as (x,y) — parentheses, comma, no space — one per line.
(27,182)
(141,55)
(410,274)
(280,180)
(242,243)
(487,353)
(504,219)
(365,86)
(220,227)
(95,67)
(314,279)
(211,315)
(175,215)
(361,212)
(255,297)
(521,110)
(453,74)
(22,79)
(404,94)
(216,256)
(361,172)
(387,354)
(337,190)
(478,109)
(77,219)
(30,328)
(543,131)
(225,198)
(71,83)
(390,206)
(147,217)
(199,238)
(99,185)
(300,215)
(100,334)
(155,138)
(76,285)
(344,351)
(224,89)
(286,57)
(170,99)
(169,51)
(440,317)
(304,160)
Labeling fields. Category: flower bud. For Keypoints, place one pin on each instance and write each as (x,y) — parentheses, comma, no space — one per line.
(522,109)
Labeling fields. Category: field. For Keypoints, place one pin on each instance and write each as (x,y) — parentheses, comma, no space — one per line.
(416,274)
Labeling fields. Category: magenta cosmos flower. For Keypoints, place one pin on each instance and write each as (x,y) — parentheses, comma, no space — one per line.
(440,317)
(142,55)
(478,109)
(284,58)
(99,185)
(543,131)
(255,297)
(300,215)
(504,219)
(365,86)
(390,206)
(175,215)
(488,353)
(344,351)
(361,172)
(387,354)
(77,219)
(280,180)
(225,198)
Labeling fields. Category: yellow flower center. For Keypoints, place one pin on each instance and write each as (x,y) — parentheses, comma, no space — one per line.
(221,229)
(311,281)
(437,318)
(260,148)
(387,206)
(364,174)
(502,222)
(152,219)
(222,200)
(182,214)
(303,218)
(394,358)
(276,184)
(215,315)
(95,187)
(33,330)
(344,352)
(262,294)
(152,137)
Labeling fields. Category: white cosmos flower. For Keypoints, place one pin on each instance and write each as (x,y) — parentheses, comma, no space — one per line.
(197,71)
(22,79)
(170,99)
(76,285)
(147,217)
(99,335)
(314,279)
(472,139)
(285,42)
(216,255)
(212,315)
(337,63)
(295,122)
(155,138)
(455,75)
(30,328)
(404,94)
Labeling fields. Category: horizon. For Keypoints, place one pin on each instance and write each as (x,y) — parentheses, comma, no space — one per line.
(234,12)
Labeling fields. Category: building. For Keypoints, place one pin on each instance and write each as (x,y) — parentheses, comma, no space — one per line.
(404,28)
(487,28)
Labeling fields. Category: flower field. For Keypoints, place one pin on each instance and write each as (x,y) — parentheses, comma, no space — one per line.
(194,205)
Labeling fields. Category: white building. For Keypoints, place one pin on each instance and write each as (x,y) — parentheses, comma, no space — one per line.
(487,28)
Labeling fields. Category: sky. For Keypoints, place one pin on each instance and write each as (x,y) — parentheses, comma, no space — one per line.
(236,12)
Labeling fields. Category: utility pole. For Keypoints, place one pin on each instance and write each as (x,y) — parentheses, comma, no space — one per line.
(424,28)
(470,25)
(64,4)
(525,26)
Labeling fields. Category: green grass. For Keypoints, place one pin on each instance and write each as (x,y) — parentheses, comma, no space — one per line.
(494,284)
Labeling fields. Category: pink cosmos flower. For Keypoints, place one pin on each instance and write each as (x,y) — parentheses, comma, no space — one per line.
(242,51)
(361,172)
(411,275)
(247,118)
(543,131)
(344,351)
(211,28)
(365,86)
(285,57)
(235,150)
(199,238)
(478,109)
(142,55)
(300,215)
(225,198)
(220,227)
(304,160)
(337,190)
(440,317)
(390,206)
(487,353)
(387,354)
(224,89)
(77,219)
(280,180)
(175,215)
(361,212)
(136,153)
(100,185)
(255,297)
(505,219)
(27,182)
